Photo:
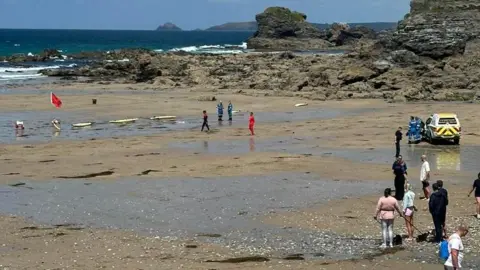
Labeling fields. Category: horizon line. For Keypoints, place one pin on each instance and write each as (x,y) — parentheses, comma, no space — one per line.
(186,30)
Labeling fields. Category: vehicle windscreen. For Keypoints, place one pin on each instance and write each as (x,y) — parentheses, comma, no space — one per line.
(444,121)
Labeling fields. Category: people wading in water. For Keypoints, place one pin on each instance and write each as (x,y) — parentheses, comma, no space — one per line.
(205,121)
(251,123)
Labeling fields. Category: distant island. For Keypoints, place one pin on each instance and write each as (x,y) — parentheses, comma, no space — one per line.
(168,27)
(252,26)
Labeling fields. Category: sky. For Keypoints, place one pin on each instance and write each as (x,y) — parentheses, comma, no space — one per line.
(187,14)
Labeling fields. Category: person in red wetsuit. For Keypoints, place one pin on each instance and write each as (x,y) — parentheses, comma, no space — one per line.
(251,123)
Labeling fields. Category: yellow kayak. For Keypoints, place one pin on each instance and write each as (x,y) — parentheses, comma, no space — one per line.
(124,121)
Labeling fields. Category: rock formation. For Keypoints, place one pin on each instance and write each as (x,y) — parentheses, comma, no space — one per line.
(280,28)
(438,28)
(168,27)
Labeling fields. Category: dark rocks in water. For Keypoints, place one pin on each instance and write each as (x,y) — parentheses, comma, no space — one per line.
(437,29)
(47,161)
(90,175)
(280,28)
(168,27)
(17,184)
(45,55)
(50,54)
(242,259)
(146,172)
(294,257)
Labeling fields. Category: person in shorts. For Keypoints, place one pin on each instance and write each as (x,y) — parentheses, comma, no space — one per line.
(408,209)
(425,177)
(476,188)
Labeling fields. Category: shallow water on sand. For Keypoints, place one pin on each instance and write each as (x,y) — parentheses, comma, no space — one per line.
(228,206)
(441,157)
(38,127)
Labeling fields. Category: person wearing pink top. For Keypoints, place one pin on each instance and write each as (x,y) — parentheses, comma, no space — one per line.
(385,212)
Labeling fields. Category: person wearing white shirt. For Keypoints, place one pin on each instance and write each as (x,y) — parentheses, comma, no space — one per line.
(425,176)
(455,249)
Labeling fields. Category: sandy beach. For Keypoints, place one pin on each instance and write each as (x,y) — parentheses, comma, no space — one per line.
(331,143)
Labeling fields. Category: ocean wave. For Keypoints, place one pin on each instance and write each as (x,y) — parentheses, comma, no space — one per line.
(5,77)
(32,69)
(24,73)
(211,49)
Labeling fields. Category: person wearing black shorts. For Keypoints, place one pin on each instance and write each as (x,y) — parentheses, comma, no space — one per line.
(425,176)
(476,188)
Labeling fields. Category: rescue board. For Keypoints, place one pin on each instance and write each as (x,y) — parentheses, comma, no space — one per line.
(86,124)
(166,117)
(55,125)
(123,121)
(301,104)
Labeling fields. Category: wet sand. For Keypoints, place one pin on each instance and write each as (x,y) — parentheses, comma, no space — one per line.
(348,142)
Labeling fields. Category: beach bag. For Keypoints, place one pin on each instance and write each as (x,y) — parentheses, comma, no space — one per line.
(443,250)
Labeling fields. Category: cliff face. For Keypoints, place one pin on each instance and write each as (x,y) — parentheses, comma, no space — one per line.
(438,28)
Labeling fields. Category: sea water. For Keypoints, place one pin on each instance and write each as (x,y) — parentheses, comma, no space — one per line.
(26,41)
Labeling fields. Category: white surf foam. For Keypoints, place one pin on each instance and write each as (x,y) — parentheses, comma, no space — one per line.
(24,73)
(5,77)
(212,49)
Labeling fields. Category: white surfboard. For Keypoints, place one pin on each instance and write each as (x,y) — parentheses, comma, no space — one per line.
(124,121)
(237,111)
(166,117)
(86,124)
(301,104)
(55,126)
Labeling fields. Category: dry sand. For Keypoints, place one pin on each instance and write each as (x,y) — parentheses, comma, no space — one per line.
(129,156)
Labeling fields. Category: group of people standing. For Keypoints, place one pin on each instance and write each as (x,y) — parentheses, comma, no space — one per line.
(437,204)
(251,119)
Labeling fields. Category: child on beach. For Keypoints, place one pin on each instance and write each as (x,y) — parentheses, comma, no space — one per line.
(251,123)
(205,121)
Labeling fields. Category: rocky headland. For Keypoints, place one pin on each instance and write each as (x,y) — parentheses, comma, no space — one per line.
(432,55)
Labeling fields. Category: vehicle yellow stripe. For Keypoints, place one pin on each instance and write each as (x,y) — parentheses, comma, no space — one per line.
(447,131)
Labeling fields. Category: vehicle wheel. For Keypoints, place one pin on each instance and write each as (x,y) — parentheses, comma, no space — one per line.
(456,141)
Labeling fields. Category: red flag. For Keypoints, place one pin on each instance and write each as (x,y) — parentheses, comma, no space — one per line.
(55,100)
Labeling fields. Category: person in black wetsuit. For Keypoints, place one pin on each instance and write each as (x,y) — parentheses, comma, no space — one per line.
(398,138)
(399,168)
(438,208)
(205,121)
